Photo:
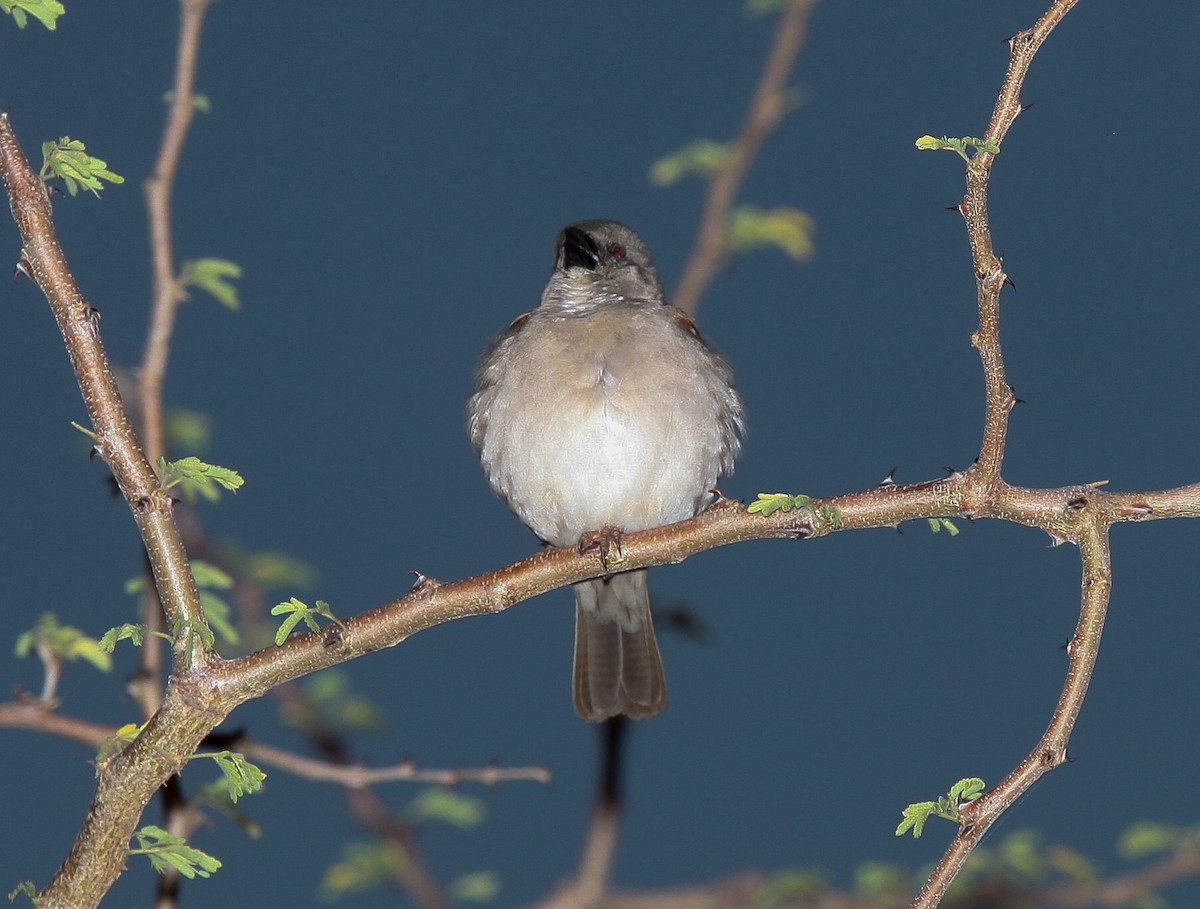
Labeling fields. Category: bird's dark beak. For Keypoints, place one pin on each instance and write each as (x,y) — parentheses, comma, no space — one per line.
(576,249)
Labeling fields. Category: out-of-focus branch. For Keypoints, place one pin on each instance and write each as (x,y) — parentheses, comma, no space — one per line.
(356,776)
(158,189)
(601,844)
(767,107)
(32,713)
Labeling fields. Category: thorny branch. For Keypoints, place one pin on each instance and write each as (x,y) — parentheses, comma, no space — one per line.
(1092,532)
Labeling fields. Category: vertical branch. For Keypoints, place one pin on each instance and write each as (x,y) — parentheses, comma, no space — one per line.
(1051,751)
(601,843)
(989,270)
(767,107)
(158,188)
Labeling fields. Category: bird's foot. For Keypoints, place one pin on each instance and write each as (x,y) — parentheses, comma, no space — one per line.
(607,542)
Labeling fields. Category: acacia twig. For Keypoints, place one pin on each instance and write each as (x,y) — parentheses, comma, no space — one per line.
(42,258)
(158,189)
(1092,537)
(767,107)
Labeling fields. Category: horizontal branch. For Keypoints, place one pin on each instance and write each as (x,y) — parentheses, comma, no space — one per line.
(32,713)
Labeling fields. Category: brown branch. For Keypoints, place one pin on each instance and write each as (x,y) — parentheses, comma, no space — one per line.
(32,713)
(158,188)
(1051,751)
(767,108)
(356,776)
(989,270)
(42,258)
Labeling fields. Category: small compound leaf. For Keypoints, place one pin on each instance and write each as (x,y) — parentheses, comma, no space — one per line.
(68,160)
(197,477)
(26,887)
(440,804)
(45,11)
(701,157)
(767,503)
(476,887)
(787,228)
(214,276)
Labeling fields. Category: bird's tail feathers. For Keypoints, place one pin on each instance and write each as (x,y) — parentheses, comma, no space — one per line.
(618,668)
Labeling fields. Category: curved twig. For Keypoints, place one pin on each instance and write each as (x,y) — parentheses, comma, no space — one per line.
(767,107)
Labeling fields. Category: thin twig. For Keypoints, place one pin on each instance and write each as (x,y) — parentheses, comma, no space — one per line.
(356,776)
(33,713)
(767,108)
(158,189)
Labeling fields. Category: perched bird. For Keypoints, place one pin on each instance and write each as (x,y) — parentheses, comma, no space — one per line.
(603,411)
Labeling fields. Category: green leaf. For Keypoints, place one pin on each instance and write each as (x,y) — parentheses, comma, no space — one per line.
(216,276)
(340,707)
(767,503)
(476,887)
(45,11)
(68,160)
(298,611)
(202,103)
(241,777)
(167,851)
(209,575)
(937,525)
(876,879)
(967,789)
(26,887)
(136,633)
(188,430)
(916,814)
(117,742)
(958,146)
(788,228)
(702,157)
(831,515)
(363,865)
(800,887)
(1147,838)
(198,477)
(441,804)
(278,569)
(63,642)
(187,632)
(218,613)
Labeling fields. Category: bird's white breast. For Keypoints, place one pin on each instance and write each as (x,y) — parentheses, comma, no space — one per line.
(614,423)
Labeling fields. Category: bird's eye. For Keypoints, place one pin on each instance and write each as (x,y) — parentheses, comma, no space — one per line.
(617,251)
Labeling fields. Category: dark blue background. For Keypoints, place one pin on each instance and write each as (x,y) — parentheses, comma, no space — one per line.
(392,176)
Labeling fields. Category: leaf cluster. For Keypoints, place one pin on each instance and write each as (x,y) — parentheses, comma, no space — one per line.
(166,851)
(946,806)
(68,160)
(198,478)
(62,642)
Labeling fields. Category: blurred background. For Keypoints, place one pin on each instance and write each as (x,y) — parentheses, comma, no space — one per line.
(392,176)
